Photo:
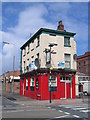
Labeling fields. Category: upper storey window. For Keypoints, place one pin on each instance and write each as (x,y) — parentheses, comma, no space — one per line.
(28,48)
(67,58)
(38,41)
(24,52)
(67,41)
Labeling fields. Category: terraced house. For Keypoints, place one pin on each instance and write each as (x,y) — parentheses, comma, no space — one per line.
(49,48)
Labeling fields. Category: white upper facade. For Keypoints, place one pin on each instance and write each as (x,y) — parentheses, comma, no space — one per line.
(64,51)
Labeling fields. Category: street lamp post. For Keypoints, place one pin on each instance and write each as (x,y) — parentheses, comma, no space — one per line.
(2,86)
(13,65)
(51,45)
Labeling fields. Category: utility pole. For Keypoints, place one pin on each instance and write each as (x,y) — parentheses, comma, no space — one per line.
(13,65)
(13,74)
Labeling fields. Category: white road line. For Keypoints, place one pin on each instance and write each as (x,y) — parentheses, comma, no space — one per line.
(67,113)
(67,107)
(28,110)
(85,111)
(62,116)
(49,107)
(79,108)
(53,109)
(60,110)
(76,116)
(14,111)
(22,104)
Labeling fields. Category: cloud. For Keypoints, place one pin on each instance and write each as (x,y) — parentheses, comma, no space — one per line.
(30,20)
(45,15)
(75,19)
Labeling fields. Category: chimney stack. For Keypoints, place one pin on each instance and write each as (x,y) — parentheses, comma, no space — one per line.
(60,26)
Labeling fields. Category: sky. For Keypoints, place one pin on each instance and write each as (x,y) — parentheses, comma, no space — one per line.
(19,19)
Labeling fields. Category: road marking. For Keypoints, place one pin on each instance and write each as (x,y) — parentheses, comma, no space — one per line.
(62,116)
(28,110)
(53,109)
(67,113)
(14,111)
(22,104)
(76,116)
(60,110)
(85,111)
(49,107)
(67,107)
(79,108)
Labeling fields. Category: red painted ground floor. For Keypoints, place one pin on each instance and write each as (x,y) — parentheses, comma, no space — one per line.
(36,84)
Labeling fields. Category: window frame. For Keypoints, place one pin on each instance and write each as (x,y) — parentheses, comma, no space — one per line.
(67,61)
(31,84)
(26,84)
(67,42)
(38,41)
(37,83)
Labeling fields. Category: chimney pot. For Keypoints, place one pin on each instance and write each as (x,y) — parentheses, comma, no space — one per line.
(60,26)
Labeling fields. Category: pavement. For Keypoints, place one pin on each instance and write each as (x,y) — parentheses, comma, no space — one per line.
(16,106)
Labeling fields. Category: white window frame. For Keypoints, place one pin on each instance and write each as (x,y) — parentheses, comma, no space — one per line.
(32,81)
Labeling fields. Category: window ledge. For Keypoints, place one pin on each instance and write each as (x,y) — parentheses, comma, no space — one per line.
(67,45)
(67,68)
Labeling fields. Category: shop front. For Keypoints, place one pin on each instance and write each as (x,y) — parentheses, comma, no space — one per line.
(36,84)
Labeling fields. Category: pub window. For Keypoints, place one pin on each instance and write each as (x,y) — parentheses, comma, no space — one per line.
(26,84)
(67,61)
(32,84)
(28,48)
(66,41)
(37,83)
(38,41)
(24,51)
(63,79)
(24,66)
(53,83)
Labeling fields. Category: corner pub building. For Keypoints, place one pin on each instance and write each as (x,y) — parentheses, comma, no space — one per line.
(35,79)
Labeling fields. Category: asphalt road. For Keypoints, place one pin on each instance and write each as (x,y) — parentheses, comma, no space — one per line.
(34,109)
(13,110)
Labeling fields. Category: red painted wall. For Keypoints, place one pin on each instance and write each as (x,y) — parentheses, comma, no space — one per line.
(43,89)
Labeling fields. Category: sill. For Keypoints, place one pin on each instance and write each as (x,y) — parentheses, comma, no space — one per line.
(67,68)
(67,45)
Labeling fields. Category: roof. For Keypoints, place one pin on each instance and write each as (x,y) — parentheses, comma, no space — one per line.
(48,31)
(86,54)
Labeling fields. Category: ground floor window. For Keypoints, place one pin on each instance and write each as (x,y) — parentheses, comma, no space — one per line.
(37,83)
(26,84)
(32,84)
(53,83)
(63,79)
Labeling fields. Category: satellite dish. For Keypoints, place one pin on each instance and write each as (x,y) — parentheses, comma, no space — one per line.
(75,57)
(37,63)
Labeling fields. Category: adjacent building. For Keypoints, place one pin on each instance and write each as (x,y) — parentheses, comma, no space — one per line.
(36,62)
(83,63)
(11,81)
(83,73)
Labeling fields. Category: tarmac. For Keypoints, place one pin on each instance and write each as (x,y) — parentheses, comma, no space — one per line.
(20,99)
